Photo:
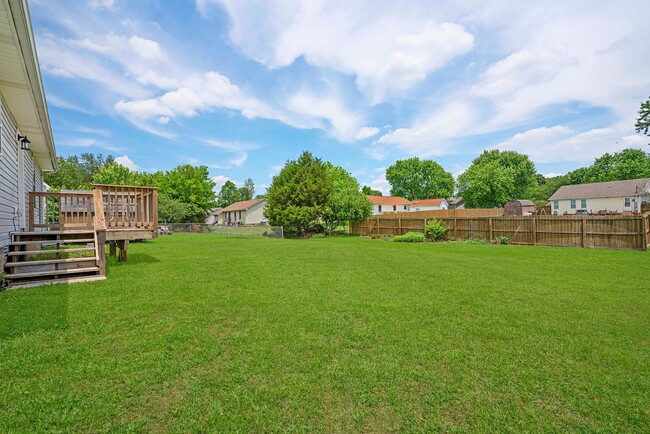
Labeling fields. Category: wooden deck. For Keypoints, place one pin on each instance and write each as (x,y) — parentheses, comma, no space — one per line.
(113,214)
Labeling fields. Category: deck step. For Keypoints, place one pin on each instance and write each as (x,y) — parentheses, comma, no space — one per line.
(49,261)
(66,241)
(73,232)
(52,273)
(39,252)
(55,281)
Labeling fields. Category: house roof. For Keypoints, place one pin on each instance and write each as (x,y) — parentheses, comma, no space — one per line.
(20,82)
(630,187)
(455,200)
(523,202)
(388,200)
(243,205)
(428,202)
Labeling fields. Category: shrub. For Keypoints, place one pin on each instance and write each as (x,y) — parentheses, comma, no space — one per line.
(436,230)
(502,240)
(318,236)
(3,281)
(410,237)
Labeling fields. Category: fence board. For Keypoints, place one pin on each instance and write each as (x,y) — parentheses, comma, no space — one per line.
(613,232)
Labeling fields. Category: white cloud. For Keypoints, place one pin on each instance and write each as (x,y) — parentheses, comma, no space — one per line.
(100,4)
(560,143)
(86,142)
(380,183)
(125,161)
(388,49)
(552,174)
(220,180)
(339,121)
(524,68)
(238,161)
(366,132)
(429,136)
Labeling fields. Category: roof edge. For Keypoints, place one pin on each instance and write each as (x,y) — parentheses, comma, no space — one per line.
(19,12)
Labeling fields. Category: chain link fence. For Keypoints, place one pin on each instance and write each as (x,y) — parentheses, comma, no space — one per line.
(239,231)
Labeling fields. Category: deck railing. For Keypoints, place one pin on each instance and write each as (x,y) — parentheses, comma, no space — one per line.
(123,207)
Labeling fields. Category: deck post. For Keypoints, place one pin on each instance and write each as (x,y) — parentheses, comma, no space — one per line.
(32,198)
(112,248)
(101,251)
(155,212)
(124,247)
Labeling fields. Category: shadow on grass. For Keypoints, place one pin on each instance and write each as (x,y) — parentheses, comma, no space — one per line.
(28,310)
(133,259)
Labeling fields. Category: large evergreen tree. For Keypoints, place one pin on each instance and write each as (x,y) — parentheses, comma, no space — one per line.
(299,195)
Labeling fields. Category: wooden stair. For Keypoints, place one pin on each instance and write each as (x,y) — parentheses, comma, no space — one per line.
(43,258)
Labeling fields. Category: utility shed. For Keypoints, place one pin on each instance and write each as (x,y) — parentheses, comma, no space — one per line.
(519,207)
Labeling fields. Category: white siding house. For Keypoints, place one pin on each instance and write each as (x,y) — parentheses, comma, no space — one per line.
(23,111)
(613,196)
(247,212)
(429,204)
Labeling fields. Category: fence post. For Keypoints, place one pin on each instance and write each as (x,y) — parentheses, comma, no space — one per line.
(644,228)
(584,231)
(399,225)
(490,225)
(425,225)
(376,225)
(534,230)
(455,227)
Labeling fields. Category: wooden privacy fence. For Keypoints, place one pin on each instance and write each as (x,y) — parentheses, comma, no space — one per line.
(613,232)
(442,213)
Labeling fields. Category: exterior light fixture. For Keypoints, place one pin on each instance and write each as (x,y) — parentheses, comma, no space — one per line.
(24,142)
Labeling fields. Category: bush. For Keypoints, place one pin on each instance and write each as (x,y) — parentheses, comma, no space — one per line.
(318,236)
(436,230)
(410,237)
(502,240)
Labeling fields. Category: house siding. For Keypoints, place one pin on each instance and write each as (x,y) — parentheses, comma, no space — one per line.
(255,214)
(389,209)
(8,174)
(9,178)
(598,204)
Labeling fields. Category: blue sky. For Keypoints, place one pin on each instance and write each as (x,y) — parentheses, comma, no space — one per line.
(242,86)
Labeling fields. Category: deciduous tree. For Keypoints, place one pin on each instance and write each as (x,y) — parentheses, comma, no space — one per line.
(346,202)
(419,179)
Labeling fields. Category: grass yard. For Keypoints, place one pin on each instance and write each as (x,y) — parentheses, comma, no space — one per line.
(197,333)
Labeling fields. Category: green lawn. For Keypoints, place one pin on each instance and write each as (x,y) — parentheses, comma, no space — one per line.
(198,333)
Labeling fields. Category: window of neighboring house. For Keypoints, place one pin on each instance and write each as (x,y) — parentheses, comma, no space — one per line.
(573,204)
(628,202)
(404,206)
(556,204)
(394,207)
(379,208)
(583,203)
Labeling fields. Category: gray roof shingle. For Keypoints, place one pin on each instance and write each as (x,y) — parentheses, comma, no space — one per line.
(629,187)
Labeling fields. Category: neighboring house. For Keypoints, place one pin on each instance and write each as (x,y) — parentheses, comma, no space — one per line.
(247,212)
(613,196)
(213,216)
(23,111)
(384,204)
(429,204)
(456,203)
